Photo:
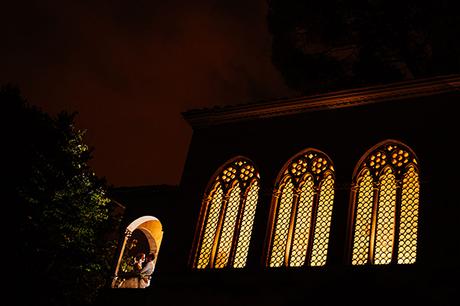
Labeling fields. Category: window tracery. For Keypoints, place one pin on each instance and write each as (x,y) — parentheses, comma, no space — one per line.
(385,206)
(302,212)
(228,211)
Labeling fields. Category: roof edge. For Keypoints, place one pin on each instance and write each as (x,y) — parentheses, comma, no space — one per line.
(346,98)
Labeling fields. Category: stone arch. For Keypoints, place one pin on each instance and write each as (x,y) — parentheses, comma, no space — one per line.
(151,227)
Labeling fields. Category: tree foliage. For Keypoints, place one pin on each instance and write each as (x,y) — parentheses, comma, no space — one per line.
(336,44)
(59,207)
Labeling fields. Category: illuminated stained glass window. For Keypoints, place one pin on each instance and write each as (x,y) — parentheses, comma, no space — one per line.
(386,201)
(227,217)
(302,212)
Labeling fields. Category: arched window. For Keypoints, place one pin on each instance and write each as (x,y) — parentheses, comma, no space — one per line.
(227,216)
(385,197)
(301,211)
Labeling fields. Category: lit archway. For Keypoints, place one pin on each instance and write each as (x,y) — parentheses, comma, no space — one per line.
(150,229)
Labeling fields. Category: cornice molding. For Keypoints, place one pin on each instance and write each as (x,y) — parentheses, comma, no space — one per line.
(341,99)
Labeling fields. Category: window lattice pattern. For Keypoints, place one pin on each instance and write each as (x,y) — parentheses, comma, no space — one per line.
(302,226)
(385,219)
(225,243)
(282,225)
(393,168)
(301,213)
(408,226)
(247,223)
(323,222)
(230,209)
(211,227)
(363,220)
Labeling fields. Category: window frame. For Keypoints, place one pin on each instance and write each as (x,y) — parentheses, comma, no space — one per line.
(283,176)
(399,173)
(227,187)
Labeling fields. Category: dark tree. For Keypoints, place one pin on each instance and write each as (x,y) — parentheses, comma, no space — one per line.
(337,44)
(57,205)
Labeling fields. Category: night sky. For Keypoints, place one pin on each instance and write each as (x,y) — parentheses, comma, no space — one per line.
(129,68)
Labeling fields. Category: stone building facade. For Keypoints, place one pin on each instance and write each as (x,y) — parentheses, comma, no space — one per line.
(346,197)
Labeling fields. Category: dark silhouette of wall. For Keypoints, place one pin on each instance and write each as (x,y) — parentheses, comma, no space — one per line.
(427,123)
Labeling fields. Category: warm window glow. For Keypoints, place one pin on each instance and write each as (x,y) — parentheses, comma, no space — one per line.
(211,227)
(302,226)
(363,221)
(228,229)
(244,238)
(323,222)
(302,212)
(282,225)
(228,211)
(408,224)
(386,206)
(385,231)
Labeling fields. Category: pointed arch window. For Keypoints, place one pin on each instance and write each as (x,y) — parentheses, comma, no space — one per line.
(385,207)
(227,216)
(302,211)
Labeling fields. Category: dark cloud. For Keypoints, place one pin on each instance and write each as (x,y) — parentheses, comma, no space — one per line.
(131,67)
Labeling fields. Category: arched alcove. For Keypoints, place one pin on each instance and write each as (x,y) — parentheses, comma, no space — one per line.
(152,230)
